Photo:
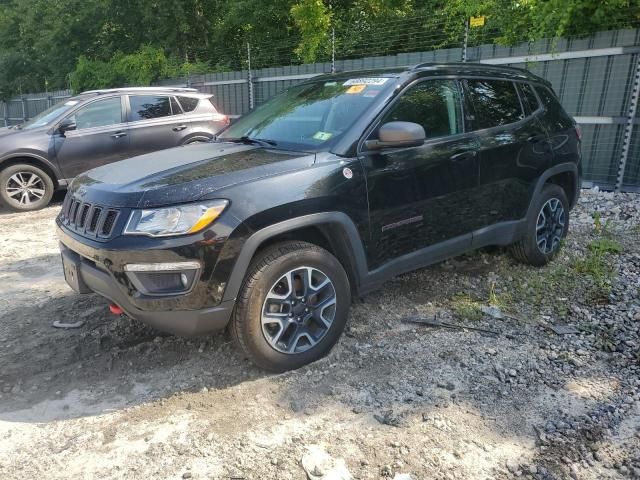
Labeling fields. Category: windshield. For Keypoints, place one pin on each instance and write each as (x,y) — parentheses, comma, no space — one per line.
(311,116)
(50,115)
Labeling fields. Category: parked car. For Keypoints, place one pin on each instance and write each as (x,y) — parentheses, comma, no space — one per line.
(96,128)
(321,194)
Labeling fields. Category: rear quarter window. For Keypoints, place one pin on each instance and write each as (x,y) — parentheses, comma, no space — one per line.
(189,104)
(529,98)
(495,102)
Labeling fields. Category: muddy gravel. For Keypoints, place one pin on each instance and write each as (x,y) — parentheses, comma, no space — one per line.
(546,385)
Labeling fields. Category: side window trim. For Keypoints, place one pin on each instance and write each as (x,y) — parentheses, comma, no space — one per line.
(123,118)
(174,100)
(377,121)
(535,94)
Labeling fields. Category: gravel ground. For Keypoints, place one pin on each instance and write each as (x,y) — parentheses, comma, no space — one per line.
(116,399)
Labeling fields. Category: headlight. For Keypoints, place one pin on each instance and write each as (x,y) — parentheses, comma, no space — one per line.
(178,220)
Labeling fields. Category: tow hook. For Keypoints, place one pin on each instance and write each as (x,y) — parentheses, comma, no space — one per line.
(115,309)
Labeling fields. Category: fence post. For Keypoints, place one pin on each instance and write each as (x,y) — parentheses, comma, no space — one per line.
(466,40)
(6,114)
(628,129)
(24,109)
(250,76)
(333,50)
(49,101)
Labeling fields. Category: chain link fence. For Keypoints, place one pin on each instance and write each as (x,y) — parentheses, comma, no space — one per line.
(597,77)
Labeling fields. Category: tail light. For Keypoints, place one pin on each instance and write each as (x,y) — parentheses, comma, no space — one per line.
(579,133)
(219,117)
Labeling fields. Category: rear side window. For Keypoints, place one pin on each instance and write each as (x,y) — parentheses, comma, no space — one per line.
(548,98)
(529,98)
(495,102)
(434,104)
(145,107)
(189,104)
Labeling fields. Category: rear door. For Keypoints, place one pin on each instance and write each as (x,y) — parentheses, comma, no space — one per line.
(155,123)
(423,196)
(100,137)
(514,148)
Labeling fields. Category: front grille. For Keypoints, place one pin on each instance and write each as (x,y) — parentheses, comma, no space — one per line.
(88,219)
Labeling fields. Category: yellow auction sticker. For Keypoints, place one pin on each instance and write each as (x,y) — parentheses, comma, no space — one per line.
(353,89)
(477,21)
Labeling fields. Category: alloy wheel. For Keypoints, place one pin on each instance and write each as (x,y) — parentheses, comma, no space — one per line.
(25,188)
(550,226)
(298,310)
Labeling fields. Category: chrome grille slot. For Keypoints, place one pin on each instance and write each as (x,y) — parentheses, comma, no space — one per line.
(90,220)
(109,222)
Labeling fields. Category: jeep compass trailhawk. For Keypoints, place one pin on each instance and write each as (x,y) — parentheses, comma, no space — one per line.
(323,193)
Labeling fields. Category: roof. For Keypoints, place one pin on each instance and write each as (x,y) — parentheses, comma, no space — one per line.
(455,68)
(141,89)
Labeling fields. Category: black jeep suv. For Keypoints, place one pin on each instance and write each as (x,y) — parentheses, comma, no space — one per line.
(323,193)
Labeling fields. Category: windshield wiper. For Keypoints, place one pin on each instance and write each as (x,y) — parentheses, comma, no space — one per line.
(251,141)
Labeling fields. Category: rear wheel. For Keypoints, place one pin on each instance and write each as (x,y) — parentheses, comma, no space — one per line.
(546,228)
(24,187)
(293,306)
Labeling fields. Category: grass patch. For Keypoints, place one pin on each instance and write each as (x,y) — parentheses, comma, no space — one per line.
(595,263)
(467,308)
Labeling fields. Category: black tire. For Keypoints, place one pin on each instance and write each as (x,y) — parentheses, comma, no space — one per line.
(527,249)
(269,267)
(13,197)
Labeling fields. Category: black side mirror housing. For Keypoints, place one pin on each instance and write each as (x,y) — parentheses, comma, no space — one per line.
(398,135)
(66,126)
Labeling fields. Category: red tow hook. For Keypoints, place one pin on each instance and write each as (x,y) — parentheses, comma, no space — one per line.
(115,309)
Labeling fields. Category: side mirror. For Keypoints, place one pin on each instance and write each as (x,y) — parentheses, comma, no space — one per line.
(398,135)
(66,126)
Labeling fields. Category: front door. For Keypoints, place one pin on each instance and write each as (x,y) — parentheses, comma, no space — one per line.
(422,196)
(100,137)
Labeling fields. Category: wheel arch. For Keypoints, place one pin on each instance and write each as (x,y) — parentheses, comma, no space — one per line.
(36,161)
(565,175)
(333,231)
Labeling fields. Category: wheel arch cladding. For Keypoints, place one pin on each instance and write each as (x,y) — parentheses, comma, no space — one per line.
(333,231)
(562,170)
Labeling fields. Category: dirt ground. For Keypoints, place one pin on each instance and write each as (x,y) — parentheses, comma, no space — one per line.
(116,399)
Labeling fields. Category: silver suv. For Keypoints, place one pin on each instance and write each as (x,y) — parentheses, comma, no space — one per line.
(96,128)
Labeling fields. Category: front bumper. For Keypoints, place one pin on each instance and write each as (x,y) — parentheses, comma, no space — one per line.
(90,269)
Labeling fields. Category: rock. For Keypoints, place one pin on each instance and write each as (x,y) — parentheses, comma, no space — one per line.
(402,476)
(186,475)
(319,465)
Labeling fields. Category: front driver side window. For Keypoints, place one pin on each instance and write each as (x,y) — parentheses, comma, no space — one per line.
(434,104)
(100,113)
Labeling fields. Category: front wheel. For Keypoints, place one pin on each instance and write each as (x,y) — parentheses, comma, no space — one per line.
(292,307)
(546,228)
(24,187)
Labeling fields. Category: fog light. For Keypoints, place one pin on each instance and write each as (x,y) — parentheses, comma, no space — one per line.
(163,278)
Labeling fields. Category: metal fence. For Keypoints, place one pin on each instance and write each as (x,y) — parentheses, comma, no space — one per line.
(597,79)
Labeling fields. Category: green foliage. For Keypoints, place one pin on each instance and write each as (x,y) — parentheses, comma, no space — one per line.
(139,68)
(595,263)
(43,41)
(313,19)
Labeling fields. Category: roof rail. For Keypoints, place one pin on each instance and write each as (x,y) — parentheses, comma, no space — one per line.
(464,64)
(142,89)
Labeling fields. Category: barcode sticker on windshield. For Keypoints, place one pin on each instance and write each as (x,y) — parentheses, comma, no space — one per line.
(366,81)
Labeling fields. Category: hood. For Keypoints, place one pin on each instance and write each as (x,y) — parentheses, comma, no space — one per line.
(9,131)
(183,174)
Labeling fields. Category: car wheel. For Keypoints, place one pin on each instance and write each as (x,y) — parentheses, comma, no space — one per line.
(546,228)
(292,307)
(25,187)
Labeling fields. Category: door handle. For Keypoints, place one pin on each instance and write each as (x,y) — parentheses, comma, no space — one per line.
(119,134)
(179,127)
(535,139)
(463,156)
